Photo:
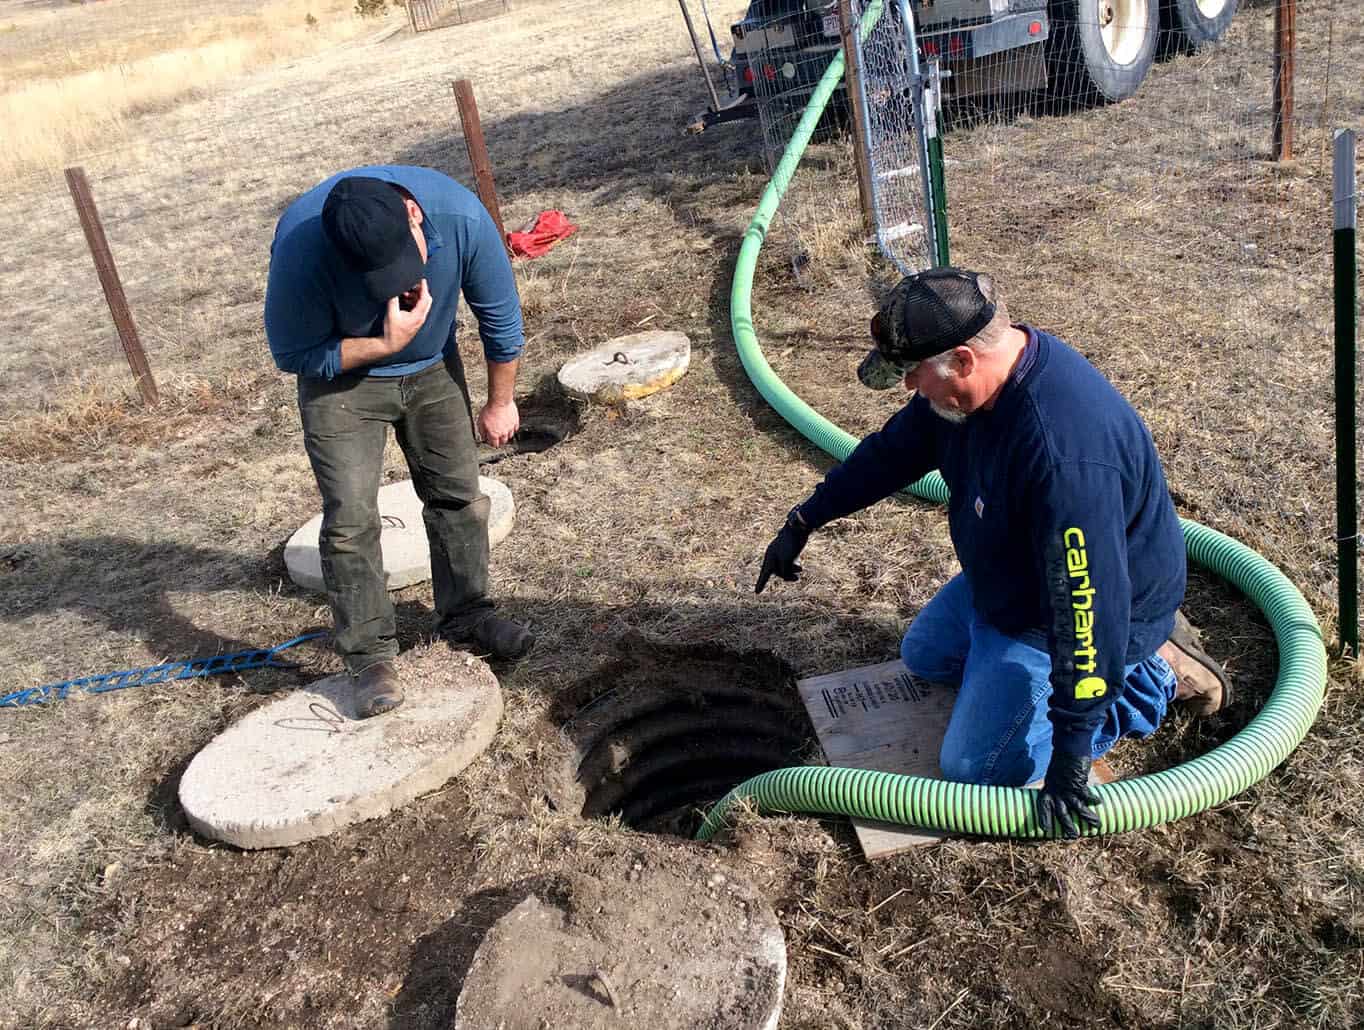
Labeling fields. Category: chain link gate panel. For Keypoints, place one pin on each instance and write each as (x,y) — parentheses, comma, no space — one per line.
(901,126)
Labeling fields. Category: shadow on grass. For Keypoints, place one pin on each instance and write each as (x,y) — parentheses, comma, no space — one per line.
(125,585)
(441,958)
(625,141)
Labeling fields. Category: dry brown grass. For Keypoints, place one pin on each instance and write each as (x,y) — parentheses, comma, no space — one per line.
(137,537)
(70,86)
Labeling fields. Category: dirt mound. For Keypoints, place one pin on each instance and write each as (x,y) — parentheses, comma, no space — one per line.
(631,942)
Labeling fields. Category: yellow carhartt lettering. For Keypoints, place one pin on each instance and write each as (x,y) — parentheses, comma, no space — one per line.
(1082,610)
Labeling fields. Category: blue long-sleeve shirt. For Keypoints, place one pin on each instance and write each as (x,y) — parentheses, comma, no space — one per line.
(1059,514)
(313,301)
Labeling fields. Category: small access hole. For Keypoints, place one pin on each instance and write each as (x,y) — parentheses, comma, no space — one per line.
(547,420)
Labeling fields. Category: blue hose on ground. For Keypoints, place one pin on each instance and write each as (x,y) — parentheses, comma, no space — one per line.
(240,661)
(1144,801)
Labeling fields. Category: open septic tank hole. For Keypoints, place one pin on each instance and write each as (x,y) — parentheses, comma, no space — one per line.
(662,734)
(548,418)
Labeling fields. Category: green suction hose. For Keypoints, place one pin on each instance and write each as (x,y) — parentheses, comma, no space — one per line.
(1132,804)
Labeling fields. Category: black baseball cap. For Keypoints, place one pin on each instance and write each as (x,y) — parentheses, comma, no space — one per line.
(366,220)
(926,314)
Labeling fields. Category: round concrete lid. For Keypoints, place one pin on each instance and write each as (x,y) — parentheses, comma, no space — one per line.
(406,553)
(664,942)
(304,766)
(628,367)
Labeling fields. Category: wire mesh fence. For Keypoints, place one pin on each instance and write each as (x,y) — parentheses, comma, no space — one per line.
(1165,158)
(898,119)
(1159,117)
(424,15)
(780,52)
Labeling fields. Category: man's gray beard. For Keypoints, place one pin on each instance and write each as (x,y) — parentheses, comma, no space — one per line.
(955,417)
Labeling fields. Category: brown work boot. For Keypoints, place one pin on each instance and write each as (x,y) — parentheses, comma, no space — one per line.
(1201,681)
(377,690)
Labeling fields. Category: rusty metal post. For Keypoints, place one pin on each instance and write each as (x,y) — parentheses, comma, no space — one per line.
(109,280)
(696,46)
(478,153)
(1285,42)
(852,78)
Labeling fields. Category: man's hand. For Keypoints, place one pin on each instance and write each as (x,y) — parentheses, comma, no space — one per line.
(1065,793)
(401,326)
(782,552)
(498,422)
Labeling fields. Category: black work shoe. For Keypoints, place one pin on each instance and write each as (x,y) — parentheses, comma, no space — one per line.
(377,690)
(1201,681)
(498,637)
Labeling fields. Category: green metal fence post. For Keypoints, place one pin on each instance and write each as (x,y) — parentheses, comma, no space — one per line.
(943,257)
(1347,519)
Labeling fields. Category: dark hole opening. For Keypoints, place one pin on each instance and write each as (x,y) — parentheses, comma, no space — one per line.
(547,419)
(674,732)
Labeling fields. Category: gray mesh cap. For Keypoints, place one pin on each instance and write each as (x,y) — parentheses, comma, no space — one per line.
(925,315)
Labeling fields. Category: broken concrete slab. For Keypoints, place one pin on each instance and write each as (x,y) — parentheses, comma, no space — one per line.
(628,367)
(631,940)
(407,555)
(304,766)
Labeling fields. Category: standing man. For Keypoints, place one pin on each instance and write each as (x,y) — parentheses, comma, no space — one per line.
(1062,630)
(366,271)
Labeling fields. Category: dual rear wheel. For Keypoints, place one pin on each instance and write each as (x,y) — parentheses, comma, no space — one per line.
(1101,50)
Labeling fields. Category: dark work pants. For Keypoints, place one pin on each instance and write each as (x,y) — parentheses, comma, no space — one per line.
(345,427)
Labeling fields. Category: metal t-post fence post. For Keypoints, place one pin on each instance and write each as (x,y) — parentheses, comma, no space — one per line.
(111,284)
(921,119)
(1285,45)
(933,125)
(1347,313)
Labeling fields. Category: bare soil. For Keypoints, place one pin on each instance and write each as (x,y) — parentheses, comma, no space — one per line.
(627,938)
(1154,235)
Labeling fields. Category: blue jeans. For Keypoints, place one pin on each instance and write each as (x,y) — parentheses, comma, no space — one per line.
(999,733)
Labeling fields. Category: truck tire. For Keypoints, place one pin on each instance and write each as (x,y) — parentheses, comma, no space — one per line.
(1192,24)
(1101,50)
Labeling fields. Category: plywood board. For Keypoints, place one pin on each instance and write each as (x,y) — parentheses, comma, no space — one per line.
(879,717)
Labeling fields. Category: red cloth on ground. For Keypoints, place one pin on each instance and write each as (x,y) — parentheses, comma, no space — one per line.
(550,227)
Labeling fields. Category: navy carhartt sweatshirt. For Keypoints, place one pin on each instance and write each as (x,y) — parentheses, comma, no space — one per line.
(1059,515)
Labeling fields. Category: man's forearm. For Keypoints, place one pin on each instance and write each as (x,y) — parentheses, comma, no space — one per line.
(365,350)
(502,381)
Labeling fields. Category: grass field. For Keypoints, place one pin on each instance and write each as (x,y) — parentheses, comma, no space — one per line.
(72,75)
(1202,289)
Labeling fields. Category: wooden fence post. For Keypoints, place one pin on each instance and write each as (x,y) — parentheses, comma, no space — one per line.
(478,153)
(1285,42)
(852,79)
(109,280)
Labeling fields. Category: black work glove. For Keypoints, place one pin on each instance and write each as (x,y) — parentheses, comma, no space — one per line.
(783,551)
(1065,793)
